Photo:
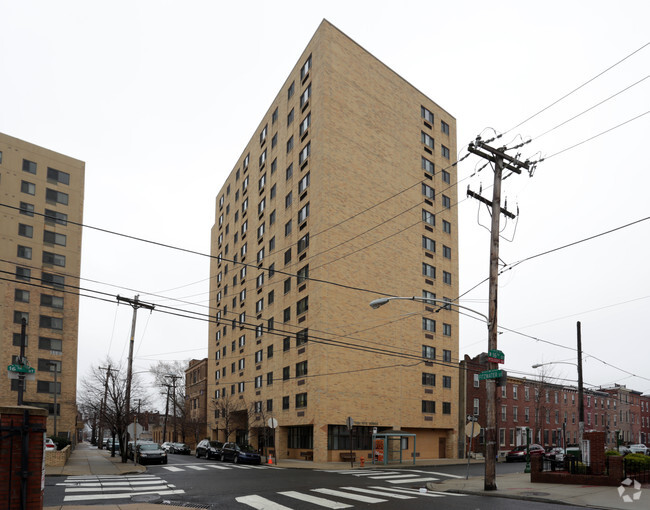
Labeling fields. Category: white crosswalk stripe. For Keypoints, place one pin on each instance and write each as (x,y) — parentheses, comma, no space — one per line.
(347,495)
(260,503)
(204,467)
(315,500)
(89,488)
(378,493)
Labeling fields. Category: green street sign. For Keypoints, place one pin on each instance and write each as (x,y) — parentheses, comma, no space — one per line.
(490,374)
(496,353)
(24,369)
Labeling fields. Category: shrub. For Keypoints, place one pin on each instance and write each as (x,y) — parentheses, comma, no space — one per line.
(60,442)
(614,453)
(637,461)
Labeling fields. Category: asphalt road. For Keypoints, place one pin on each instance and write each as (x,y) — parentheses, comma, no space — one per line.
(212,484)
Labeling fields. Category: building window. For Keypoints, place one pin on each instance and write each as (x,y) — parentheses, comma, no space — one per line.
(428,379)
(426,140)
(54,259)
(428,244)
(302,337)
(290,117)
(304,70)
(50,322)
(304,125)
(290,144)
(446,277)
(303,274)
(302,306)
(428,270)
(446,329)
(259,305)
(426,114)
(444,127)
(24,252)
(477,382)
(303,213)
(28,187)
(263,134)
(292,89)
(446,355)
(303,184)
(304,97)
(269,378)
(428,352)
(286,373)
(428,192)
(446,227)
(260,255)
(58,197)
(445,151)
(51,301)
(289,172)
(446,381)
(446,252)
(428,324)
(19,316)
(446,177)
(446,202)
(259,356)
(475,409)
(21,296)
(288,199)
(446,408)
(58,176)
(428,406)
(287,256)
(29,166)
(274,116)
(427,166)
(261,206)
(301,369)
(303,243)
(301,400)
(26,209)
(25,230)
(285,403)
(23,273)
(428,217)
(53,280)
(304,153)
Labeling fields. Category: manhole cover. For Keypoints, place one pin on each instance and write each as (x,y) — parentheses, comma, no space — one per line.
(146,498)
(534,493)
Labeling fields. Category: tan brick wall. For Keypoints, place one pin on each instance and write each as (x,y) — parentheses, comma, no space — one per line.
(365,148)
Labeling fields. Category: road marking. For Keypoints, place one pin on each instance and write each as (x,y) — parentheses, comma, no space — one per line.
(315,500)
(405,491)
(216,466)
(173,468)
(346,495)
(198,468)
(378,493)
(384,477)
(260,503)
(413,480)
(441,474)
(112,489)
(108,484)
(88,497)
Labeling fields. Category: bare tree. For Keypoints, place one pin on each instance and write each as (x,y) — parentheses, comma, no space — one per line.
(258,418)
(227,410)
(543,388)
(171,374)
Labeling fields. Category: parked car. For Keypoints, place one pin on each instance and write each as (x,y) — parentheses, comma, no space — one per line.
(129,447)
(624,450)
(639,448)
(109,444)
(209,449)
(150,452)
(237,453)
(555,456)
(49,445)
(518,454)
(166,446)
(180,448)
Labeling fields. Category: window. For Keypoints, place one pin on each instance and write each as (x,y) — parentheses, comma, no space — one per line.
(303,243)
(303,213)
(426,140)
(446,202)
(303,274)
(58,176)
(304,125)
(272,215)
(261,182)
(446,177)
(24,252)
(289,172)
(426,114)
(287,256)
(428,192)
(285,403)
(428,324)
(274,116)
(260,230)
(290,144)
(242,296)
(22,273)
(259,305)
(428,406)
(446,408)
(261,206)
(241,387)
(259,281)
(304,70)
(21,296)
(244,187)
(446,252)
(50,322)
(292,89)
(301,400)
(19,316)
(446,227)
(53,280)
(25,230)
(263,134)
(427,165)
(304,97)
(514,392)
(445,151)
(504,413)
(28,187)
(428,379)
(241,364)
(242,273)
(286,373)
(290,117)
(269,378)
(288,199)
(446,329)
(287,285)
(271,271)
(26,209)
(428,244)
(58,197)
(446,381)
(304,153)
(446,277)
(244,227)
(428,270)
(428,352)
(446,355)
(302,306)
(304,183)
(428,217)
(259,330)
(29,166)
(243,250)
(444,127)
(477,382)
(302,337)
(301,369)
(54,259)
(50,344)
(476,407)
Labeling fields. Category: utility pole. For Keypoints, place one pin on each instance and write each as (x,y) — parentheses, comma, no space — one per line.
(55,365)
(102,410)
(581,403)
(135,303)
(21,376)
(166,414)
(501,161)
(173,378)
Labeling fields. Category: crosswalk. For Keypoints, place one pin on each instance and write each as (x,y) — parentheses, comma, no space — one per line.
(207,467)
(341,497)
(401,476)
(107,488)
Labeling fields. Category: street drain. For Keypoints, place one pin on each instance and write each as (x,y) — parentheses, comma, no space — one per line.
(185,504)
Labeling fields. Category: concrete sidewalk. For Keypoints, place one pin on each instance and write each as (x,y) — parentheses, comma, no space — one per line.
(88,460)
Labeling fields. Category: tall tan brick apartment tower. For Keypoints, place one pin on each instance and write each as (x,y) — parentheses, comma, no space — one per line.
(345,185)
(41,192)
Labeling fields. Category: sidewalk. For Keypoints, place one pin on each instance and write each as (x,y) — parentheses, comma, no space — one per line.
(88,460)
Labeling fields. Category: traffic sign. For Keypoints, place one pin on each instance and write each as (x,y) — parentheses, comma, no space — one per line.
(490,374)
(21,369)
(496,356)
(472,429)
(272,423)
(349,423)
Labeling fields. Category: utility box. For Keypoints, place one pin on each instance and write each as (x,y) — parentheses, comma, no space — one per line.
(22,457)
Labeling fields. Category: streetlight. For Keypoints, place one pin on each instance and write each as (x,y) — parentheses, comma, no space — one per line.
(490,457)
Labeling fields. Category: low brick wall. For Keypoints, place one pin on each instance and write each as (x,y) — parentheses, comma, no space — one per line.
(614,478)
(58,458)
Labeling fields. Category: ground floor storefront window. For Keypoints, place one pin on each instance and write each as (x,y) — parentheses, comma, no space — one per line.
(339,438)
(301,437)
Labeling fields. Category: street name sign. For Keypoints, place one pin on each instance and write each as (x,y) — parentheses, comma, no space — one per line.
(496,356)
(21,369)
(490,374)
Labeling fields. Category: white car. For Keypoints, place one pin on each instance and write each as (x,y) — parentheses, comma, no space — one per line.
(639,448)
(49,445)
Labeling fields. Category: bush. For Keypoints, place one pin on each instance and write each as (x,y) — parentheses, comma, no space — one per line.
(60,442)
(637,461)
(614,453)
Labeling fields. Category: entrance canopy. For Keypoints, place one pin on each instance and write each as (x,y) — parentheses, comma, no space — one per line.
(387,446)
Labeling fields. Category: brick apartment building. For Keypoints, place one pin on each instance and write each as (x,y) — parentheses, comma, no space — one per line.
(196,391)
(550,410)
(41,211)
(347,179)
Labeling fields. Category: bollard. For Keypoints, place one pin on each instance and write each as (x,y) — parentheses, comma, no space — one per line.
(362,461)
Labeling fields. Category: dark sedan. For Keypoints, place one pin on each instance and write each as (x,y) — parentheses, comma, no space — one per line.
(237,453)
(148,453)
(209,449)
(519,453)
(181,448)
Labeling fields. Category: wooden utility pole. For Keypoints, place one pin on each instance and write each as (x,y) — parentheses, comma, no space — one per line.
(501,161)
(173,378)
(102,409)
(135,303)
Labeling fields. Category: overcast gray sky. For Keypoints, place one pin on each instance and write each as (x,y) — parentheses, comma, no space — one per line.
(159,99)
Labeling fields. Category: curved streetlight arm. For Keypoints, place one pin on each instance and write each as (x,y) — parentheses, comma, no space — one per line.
(554,363)
(376,303)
